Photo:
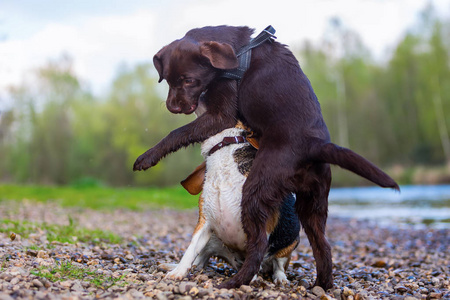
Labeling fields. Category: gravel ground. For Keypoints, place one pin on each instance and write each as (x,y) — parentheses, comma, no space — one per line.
(370,261)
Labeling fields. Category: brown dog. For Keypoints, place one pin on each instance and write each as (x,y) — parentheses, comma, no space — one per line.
(275,99)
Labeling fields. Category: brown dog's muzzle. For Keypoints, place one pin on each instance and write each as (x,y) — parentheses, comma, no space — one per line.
(177,109)
(177,104)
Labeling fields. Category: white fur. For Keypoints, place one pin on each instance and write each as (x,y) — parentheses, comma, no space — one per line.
(222,191)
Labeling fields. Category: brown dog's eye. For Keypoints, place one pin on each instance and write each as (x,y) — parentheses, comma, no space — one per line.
(189,81)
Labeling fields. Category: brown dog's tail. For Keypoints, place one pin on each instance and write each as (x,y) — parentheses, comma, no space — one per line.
(347,159)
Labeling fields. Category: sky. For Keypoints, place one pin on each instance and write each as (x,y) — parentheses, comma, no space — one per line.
(102,35)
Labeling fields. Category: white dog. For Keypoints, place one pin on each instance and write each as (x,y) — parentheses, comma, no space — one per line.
(219,232)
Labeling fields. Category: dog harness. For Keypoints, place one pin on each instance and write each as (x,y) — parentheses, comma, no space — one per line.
(244,54)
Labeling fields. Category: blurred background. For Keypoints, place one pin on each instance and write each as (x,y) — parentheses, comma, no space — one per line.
(79,98)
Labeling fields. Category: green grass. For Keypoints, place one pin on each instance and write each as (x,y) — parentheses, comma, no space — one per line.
(68,271)
(102,197)
(62,233)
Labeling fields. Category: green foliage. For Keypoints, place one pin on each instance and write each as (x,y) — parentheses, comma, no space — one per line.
(102,197)
(61,134)
(393,113)
(67,270)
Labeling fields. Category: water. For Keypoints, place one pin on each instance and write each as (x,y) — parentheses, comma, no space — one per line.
(418,205)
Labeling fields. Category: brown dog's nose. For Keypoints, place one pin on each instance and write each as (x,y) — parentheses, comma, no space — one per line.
(175,109)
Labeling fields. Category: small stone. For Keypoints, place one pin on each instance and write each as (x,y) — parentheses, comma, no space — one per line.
(359,296)
(318,291)
(5,276)
(302,290)
(202,292)
(379,263)
(77,287)
(12,236)
(202,278)
(42,254)
(435,281)
(400,288)
(410,298)
(129,257)
(193,291)
(246,288)
(66,284)
(186,286)
(163,295)
(32,252)
(436,295)
(42,262)
(348,292)
(135,294)
(5,296)
(37,283)
(337,293)
(14,281)
(304,283)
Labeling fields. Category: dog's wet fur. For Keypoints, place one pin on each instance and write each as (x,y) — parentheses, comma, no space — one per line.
(275,99)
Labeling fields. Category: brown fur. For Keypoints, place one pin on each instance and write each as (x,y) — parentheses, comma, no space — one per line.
(201,217)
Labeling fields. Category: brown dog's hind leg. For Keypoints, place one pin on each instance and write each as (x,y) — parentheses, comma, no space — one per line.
(312,210)
(262,195)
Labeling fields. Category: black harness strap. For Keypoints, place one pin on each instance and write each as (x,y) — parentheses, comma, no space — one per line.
(245,54)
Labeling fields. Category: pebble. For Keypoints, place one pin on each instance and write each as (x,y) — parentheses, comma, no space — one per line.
(5,296)
(436,295)
(37,283)
(318,291)
(337,293)
(185,286)
(400,288)
(42,254)
(246,288)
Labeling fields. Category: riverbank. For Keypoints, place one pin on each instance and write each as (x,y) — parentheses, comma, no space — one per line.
(117,254)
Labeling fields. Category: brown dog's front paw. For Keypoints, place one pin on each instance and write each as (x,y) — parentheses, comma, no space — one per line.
(231,284)
(326,284)
(145,161)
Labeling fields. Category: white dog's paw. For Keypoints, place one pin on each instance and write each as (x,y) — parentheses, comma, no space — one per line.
(279,278)
(176,274)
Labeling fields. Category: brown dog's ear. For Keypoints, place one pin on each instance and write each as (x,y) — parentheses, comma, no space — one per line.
(221,55)
(158,63)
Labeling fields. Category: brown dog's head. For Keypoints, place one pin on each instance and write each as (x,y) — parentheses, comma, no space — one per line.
(189,67)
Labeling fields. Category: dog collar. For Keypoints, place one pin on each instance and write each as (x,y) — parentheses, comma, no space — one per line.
(244,54)
(229,140)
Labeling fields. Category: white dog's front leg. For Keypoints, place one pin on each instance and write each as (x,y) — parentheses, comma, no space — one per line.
(279,272)
(198,242)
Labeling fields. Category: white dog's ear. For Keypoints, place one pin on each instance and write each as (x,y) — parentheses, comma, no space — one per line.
(221,55)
